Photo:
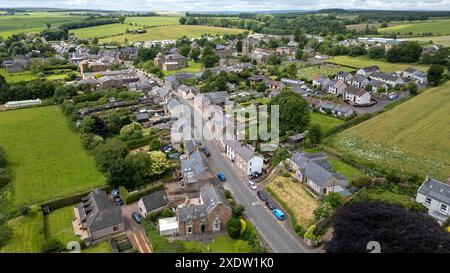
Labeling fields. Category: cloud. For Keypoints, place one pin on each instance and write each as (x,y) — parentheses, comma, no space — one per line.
(231,5)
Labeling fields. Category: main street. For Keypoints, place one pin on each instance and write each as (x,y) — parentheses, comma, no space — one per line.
(275,233)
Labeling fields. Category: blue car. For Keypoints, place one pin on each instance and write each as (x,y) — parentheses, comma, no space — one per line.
(279,214)
(221,177)
(137,217)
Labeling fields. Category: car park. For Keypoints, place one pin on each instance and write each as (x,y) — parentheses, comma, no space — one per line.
(252,185)
(221,177)
(279,214)
(137,217)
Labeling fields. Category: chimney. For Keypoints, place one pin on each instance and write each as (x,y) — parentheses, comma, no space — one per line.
(429,175)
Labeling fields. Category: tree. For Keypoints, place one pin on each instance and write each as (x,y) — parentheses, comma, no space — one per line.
(329,204)
(210,60)
(412,87)
(195,54)
(182,20)
(234,228)
(376,52)
(239,46)
(185,50)
(292,70)
(274,60)
(315,135)
(238,210)
(261,87)
(159,163)
(299,54)
(398,230)
(86,125)
(294,112)
(52,245)
(5,234)
(435,74)
(110,158)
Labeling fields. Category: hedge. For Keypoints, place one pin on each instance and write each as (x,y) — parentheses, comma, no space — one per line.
(133,197)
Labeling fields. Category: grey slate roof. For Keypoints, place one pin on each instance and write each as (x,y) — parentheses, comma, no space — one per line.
(301,159)
(242,150)
(155,200)
(98,212)
(370,69)
(436,190)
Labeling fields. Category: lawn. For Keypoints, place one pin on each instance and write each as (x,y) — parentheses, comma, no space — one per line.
(378,194)
(46,156)
(437,27)
(27,234)
(326,69)
(58,224)
(172,32)
(103,30)
(220,244)
(193,68)
(413,136)
(440,40)
(326,122)
(28,76)
(363,61)
(33,22)
(103,247)
(345,169)
(153,20)
(301,203)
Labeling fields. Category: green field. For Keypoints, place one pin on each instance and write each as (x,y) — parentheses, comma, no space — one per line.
(325,122)
(413,136)
(27,234)
(58,224)
(153,21)
(363,61)
(326,69)
(34,22)
(440,40)
(193,68)
(27,76)
(103,30)
(46,156)
(345,169)
(437,27)
(172,32)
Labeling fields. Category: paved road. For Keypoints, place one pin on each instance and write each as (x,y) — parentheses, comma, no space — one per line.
(274,232)
(134,231)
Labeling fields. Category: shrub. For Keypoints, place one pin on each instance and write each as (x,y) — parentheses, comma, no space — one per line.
(234,228)
(24,210)
(5,234)
(4,180)
(227,194)
(362,181)
(52,245)
(130,198)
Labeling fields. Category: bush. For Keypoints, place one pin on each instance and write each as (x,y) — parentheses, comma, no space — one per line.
(5,234)
(131,198)
(24,210)
(4,180)
(234,228)
(52,245)
(362,181)
(227,194)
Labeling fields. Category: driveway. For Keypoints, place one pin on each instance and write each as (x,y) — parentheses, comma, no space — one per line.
(135,231)
(274,233)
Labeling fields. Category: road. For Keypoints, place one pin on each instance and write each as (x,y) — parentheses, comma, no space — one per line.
(134,231)
(274,232)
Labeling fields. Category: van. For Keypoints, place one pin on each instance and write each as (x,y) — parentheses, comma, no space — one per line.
(279,214)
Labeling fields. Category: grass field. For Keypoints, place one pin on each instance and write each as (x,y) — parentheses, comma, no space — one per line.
(359,62)
(343,168)
(325,122)
(437,27)
(103,247)
(441,40)
(34,22)
(27,234)
(103,30)
(46,156)
(327,69)
(193,68)
(379,194)
(414,136)
(172,32)
(153,21)
(220,244)
(58,224)
(27,76)
(296,198)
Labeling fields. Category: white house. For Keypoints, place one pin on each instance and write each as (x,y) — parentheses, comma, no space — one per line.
(416,75)
(336,87)
(366,71)
(435,195)
(244,157)
(357,96)
(387,78)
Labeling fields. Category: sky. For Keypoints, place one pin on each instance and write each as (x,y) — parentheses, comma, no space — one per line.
(230,5)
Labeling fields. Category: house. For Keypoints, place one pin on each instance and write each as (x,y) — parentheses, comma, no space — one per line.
(286,50)
(218,97)
(168,226)
(387,78)
(14,68)
(170,62)
(320,80)
(255,79)
(244,157)
(336,87)
(142,117)
(297,138)
(416,75)
(275,85)
(357,96)
(317,172)
(343,76)
(154,202)
(366,71)
(209,214)
(328,107)
(96,217)
(86,66)
(359,81)
(108,82)
(378,86)
(435,195)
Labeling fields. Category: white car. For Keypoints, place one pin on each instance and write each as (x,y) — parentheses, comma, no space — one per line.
(157,115)
(252,185)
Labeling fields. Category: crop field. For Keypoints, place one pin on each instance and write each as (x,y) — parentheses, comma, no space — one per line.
(296,198)
(33,22)
(385,66)
(172,32)
(46,156)
(27,234)
(326,69)
(414,136)
(153,20)
(437,27)
(440,40)
(103,30)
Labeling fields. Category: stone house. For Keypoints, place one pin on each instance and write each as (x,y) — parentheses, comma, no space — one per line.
(435,195)
(170,62)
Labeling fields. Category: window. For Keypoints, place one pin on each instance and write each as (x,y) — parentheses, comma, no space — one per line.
(216,226)
(115,228)
(443,208)
(428,201)
(189,230)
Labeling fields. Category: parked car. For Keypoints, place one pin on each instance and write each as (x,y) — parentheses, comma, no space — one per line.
(205,150)
(157,115)
(115,192)
(262,195)
(137,217)
(254,175)
(252,185)
(392,96)
(221,177)
(279,214)
(118,201)
(270,204)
